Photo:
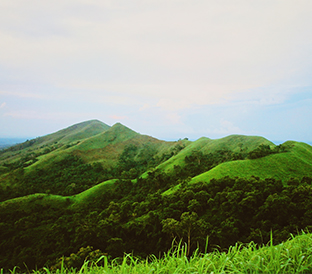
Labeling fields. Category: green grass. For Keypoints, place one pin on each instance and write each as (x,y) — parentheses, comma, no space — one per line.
(296,163)
(26,203)
(91,148)
(292,256)
(84,130)
(91,193)
(47,159)
(235,143)
(116,134)
(22,203)
(68,136)
(75,132)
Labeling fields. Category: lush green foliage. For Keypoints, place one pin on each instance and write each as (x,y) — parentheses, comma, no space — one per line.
(127,216)
(66,177)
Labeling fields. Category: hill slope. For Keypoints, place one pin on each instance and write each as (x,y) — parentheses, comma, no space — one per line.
(79,157)
(50,142)
(233,143)
(106,147)
(296,163)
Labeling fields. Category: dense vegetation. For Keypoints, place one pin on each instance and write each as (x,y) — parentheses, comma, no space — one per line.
(128,216)
(120,192)
(71,175)
(66,177)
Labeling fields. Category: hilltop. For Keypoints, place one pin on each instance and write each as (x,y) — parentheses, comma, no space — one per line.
(115,189)
(45,144)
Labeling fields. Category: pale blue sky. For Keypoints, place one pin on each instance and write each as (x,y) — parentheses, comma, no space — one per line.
(168,68)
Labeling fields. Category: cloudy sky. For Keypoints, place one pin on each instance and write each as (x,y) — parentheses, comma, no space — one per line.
(167,68)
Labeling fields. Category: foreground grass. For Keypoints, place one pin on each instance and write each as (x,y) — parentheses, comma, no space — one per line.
(292,256)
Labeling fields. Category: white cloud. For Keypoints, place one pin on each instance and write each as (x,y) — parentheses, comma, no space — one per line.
(3,105)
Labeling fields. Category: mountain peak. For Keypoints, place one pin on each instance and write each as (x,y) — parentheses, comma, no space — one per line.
(85,124)
(122,129)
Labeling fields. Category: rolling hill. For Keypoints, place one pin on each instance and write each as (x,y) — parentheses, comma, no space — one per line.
(104,186)
(45,144)
(90,151)
(295,163)
(93,142)
(234,143)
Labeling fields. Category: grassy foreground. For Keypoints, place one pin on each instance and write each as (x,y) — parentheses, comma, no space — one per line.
(292,256)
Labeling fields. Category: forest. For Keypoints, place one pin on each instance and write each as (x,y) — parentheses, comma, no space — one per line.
(127,216)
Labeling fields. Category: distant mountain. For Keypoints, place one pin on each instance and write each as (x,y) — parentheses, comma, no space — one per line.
(7,142)
(67,136)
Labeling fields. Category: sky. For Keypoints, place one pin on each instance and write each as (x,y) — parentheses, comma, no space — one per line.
(168,68)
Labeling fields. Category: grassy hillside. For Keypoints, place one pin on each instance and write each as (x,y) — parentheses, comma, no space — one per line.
(91,148)
(73,166)
(234,143)
(94,142)
(27,203)
(45,144)
(75,132)
(108,146)
(116,134)
(105,147)
(296,163)
(91,194)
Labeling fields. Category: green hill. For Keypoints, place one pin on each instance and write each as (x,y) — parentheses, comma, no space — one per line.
(27,203)
(106,147)
(92,147)
(45,144)
(296,163)
(116,134)
(124,153)
(79,157)
(76,132)
(234,143)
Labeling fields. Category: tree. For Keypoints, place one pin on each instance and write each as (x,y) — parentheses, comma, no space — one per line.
(186,227)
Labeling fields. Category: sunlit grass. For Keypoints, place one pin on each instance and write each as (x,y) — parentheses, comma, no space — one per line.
(292,256)
(281,166)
